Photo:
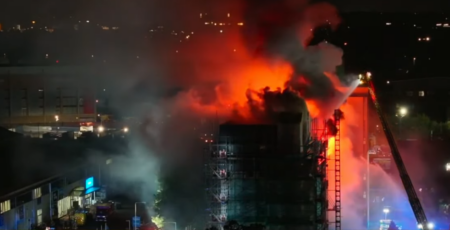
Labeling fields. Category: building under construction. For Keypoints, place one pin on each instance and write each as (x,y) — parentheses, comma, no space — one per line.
(273,174)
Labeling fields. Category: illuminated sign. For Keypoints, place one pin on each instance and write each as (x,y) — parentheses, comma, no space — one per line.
(89,183)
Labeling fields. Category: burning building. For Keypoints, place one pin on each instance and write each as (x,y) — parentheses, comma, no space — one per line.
(269,173)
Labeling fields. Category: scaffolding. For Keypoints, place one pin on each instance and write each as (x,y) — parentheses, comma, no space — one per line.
(269,174)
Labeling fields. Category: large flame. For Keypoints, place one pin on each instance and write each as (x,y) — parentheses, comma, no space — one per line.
(227,71)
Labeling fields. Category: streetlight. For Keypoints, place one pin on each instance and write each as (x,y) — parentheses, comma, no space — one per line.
(101,129)
(175,223)
(386,211)
(135,213)
(129,224)
(401,113)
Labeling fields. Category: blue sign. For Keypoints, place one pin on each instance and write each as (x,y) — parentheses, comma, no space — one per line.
(89,182)
(136,221)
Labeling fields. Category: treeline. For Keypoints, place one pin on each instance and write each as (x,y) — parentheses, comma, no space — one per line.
(419,127)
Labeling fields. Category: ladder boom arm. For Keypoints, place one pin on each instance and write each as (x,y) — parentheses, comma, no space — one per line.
(406,180)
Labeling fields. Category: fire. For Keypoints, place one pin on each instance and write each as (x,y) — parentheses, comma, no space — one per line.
(225,74)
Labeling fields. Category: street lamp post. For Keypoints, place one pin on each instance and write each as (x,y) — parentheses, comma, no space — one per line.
(401,113)
(135,213)
(386,211)
(175,223)
(129,224)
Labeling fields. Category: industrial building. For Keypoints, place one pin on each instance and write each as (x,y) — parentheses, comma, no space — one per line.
(40,99)
(274,174)
(45,95)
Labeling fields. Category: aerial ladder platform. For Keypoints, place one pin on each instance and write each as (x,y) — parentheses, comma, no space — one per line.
(416,206)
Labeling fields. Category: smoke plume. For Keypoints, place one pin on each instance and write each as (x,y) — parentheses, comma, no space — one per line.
(226,71)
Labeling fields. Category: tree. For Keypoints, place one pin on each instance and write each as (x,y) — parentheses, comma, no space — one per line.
(158,218)
(419,126)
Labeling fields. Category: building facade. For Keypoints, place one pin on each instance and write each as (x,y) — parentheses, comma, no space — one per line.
(43,96)
(44,202)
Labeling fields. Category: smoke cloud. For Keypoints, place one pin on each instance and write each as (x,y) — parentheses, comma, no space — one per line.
(243,67)
(386,188)
(241,73)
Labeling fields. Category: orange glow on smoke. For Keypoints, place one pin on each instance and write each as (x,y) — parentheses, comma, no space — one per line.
(225,69)
(218,70)
(313,108)
(346,145)
(352,166)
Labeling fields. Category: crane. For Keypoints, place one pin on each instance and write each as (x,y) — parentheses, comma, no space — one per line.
(416,206)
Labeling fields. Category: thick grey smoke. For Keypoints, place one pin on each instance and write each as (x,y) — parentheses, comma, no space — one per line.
(215,71)
(283,30)
(221,72)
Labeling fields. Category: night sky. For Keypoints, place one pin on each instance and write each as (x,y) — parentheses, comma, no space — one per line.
(20,11)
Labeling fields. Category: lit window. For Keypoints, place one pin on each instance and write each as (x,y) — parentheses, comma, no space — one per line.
(421,93)
(5,206)
(36,193)
(39,216)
